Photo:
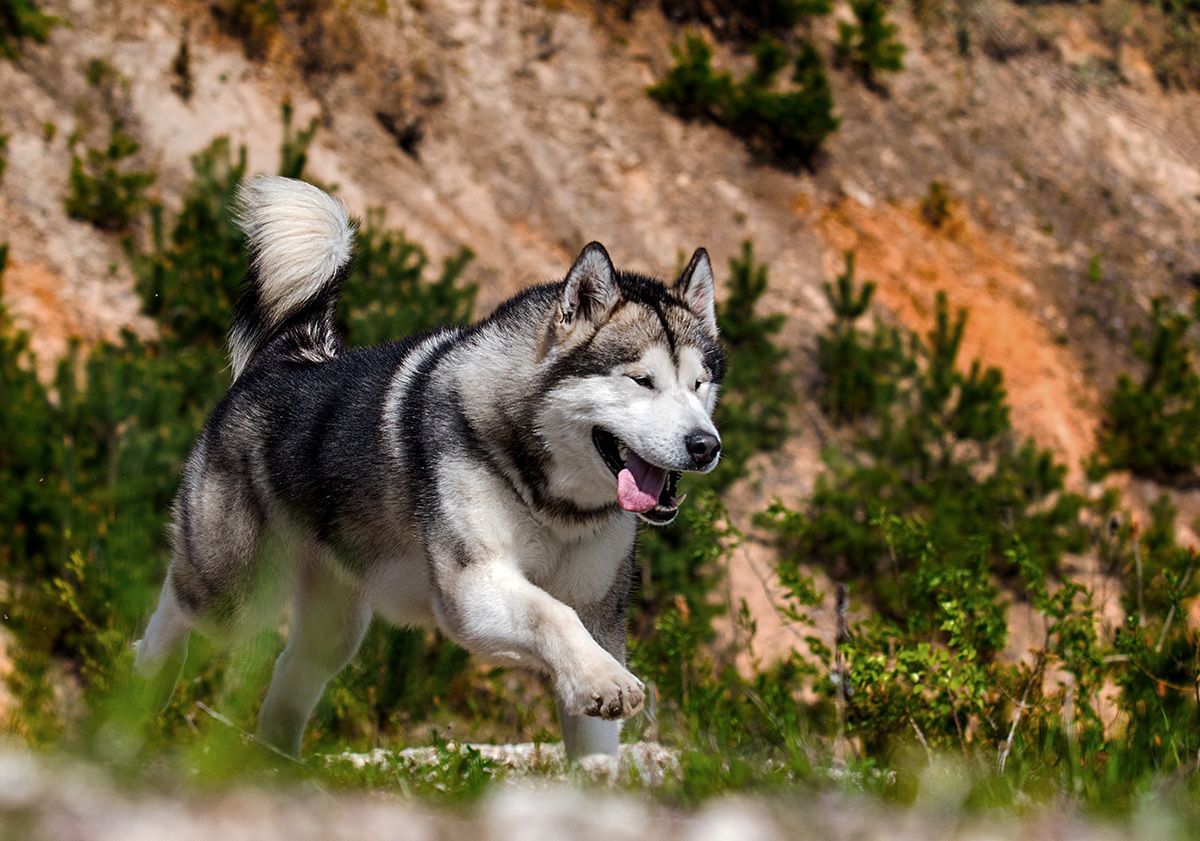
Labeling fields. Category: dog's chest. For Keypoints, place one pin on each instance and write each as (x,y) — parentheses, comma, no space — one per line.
(581,570)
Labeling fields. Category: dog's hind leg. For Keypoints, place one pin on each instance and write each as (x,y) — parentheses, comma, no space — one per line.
(162,650)
(329,619)
(215,569)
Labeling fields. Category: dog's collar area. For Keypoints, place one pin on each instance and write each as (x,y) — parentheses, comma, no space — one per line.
(610,449)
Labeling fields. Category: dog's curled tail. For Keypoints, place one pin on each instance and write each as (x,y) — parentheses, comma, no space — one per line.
(300,240)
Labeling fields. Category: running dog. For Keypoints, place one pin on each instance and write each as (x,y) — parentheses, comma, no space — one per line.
(486,480)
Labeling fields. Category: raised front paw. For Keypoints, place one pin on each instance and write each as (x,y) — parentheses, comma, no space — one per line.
(604,689)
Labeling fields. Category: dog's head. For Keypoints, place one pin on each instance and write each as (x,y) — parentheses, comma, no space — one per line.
(632,368)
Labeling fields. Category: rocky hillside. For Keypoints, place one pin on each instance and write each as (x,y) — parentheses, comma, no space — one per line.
(522,129)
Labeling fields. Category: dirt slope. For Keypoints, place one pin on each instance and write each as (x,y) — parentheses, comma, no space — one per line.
(1075,193)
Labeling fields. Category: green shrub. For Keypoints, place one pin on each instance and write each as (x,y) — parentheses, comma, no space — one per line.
(936,207)
(389,295)
(191,275)
(926,670)
(788,125)
(753,412)
(693,88)
(26,502)
(1157,666)
(253,22)
(21,19)
(859,373)
(931,441)
(184,85)
(1151,426)
(869,45)
(293,154)
(103,188)
(936,514)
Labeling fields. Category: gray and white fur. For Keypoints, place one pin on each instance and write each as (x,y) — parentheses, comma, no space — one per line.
(484,480)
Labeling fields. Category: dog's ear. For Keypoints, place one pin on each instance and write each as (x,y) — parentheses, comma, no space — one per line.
(697,289)
(590,291)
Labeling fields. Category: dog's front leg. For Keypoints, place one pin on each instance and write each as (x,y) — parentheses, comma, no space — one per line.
(491,609)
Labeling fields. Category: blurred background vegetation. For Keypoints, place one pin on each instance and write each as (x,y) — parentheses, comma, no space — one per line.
(930,519)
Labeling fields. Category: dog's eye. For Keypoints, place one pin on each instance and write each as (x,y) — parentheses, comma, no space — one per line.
(698,384)
(644,380)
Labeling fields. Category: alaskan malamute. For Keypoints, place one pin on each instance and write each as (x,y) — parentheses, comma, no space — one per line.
(484,480)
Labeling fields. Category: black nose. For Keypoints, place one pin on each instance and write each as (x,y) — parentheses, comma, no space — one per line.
(702,447)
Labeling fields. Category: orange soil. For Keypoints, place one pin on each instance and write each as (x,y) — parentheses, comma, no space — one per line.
(33,294)
(981,270)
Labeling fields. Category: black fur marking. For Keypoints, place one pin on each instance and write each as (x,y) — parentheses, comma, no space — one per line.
(310,333)
(191,601)
(670,334)
(324,513)
(322,438)
(421,487)
(588,360)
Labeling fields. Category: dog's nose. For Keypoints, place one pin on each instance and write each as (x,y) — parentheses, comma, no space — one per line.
(702,447)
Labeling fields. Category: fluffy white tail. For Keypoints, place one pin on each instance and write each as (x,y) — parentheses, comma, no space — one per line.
(300,240)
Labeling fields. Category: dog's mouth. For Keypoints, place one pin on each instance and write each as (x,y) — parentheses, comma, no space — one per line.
(643,488)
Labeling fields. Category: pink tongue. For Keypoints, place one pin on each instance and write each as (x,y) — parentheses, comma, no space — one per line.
(640,484)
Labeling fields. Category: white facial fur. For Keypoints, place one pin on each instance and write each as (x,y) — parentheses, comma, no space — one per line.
(652,421)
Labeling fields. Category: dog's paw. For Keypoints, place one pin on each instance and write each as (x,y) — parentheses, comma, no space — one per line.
(604,689)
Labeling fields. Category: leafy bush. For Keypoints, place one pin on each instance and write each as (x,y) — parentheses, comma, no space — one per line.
(21,19)
(1151,427)
(1157,667)
(388,294)
(937,515)
(786,125)
(253,22)
(869,45)
(184,85)
(293,154)
(931,441)
(937,209)
(858,373)
(25,509)
(752,414)
(102,188)
(692,87)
